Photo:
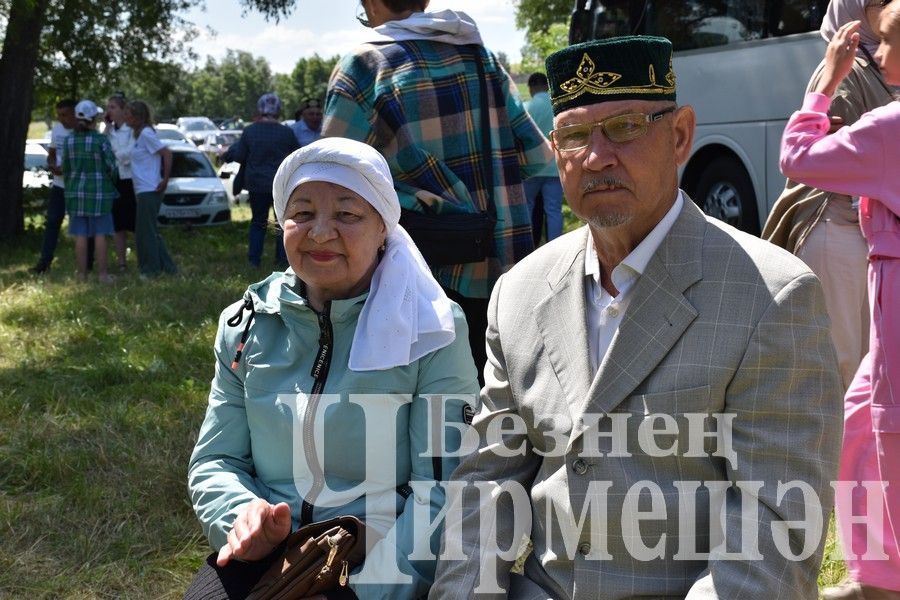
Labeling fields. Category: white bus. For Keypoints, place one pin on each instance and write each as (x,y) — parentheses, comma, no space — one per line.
(743,65)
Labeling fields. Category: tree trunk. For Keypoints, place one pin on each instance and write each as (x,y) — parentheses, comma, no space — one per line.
(17,66)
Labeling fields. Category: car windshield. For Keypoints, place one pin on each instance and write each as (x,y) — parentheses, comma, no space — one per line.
(199,126)
(191,164)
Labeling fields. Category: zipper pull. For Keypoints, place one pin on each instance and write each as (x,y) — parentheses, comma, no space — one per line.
(342,580)
(332,542)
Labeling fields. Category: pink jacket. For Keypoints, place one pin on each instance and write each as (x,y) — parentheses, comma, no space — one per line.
(859,160)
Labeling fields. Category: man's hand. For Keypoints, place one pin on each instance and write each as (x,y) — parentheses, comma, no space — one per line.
(256,531)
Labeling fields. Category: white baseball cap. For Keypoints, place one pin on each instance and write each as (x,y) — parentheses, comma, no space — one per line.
(86,110)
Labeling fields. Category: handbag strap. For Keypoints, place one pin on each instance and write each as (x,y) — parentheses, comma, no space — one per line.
(486,158)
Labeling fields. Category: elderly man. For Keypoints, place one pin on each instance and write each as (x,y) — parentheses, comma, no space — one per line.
(662,405)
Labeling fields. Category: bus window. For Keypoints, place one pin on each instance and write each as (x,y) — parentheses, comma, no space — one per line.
(787,17)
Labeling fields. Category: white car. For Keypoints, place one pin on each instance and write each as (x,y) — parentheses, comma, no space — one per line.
(36,174)
(170,133)
(196,128)
(227,173)
(195,195)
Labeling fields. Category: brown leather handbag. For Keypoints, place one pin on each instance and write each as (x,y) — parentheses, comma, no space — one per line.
(317,558)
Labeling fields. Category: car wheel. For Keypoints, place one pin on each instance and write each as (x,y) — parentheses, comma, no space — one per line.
(724,191)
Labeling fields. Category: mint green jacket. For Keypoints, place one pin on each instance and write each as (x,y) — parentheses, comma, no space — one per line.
(345,451)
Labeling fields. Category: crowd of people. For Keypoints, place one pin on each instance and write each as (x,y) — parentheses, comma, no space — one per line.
(652,400)
(108,184)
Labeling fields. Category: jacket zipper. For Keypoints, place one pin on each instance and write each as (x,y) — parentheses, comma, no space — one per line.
(319,373)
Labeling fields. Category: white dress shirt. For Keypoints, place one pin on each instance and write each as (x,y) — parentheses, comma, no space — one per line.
(605,312)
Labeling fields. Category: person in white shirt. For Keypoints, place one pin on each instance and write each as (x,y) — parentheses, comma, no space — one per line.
(56,203)
(151,163)
(122,141)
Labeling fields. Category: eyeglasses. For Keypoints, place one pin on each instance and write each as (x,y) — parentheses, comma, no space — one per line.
(361,15)
(618,129)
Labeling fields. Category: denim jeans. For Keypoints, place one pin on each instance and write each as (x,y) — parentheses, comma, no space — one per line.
(153,257)
(551,191)
(56,210)
(260,205)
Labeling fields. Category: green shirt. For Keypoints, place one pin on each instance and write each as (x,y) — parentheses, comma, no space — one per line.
(90,172)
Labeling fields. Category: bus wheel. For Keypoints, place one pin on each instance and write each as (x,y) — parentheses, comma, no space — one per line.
(724,191)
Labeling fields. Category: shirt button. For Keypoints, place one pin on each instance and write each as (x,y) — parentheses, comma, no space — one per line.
(612,311)
(579,466)
(584,549)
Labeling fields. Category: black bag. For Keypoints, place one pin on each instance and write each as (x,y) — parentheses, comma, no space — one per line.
(452,238)
(458,238)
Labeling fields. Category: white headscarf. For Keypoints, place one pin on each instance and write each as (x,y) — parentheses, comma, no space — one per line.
(407,314)
(840,12)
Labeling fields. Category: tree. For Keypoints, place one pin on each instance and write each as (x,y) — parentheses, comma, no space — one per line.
(546,24)
(540,44)
(17,64)
(539,15)
(45,41)
(310,76)
(231,87)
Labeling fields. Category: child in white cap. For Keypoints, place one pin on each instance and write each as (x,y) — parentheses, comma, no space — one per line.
(90,171)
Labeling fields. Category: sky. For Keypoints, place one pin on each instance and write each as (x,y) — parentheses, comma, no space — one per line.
(328,27)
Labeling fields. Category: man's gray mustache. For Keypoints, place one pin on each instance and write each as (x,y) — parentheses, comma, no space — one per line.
(604,182)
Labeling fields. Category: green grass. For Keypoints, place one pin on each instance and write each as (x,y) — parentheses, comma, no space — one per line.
(102,391)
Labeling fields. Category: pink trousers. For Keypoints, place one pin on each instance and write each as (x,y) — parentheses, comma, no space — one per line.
(871,445)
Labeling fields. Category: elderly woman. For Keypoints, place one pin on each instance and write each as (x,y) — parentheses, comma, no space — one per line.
(331,382)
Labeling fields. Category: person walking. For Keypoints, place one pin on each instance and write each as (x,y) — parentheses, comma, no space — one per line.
(151,163)
(260,150)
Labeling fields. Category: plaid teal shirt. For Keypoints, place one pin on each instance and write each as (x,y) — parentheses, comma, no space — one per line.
(90,172)
(418,102)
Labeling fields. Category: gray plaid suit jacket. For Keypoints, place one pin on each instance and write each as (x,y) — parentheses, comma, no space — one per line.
(720,322)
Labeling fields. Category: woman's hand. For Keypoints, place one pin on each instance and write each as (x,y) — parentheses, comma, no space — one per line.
(839,57)
(256,531)
(163,184)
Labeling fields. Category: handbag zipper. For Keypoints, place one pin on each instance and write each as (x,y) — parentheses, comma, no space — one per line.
(319,373)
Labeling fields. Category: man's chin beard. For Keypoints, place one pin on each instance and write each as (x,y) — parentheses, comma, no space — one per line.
(606,221)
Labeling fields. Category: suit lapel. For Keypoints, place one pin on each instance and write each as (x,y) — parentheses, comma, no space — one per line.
(561,319)
(657,316)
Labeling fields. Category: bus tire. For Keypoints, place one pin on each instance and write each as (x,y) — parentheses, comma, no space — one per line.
(724,191)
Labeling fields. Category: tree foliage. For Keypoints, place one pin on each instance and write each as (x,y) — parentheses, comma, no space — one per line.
(546,25)
(310,76)
(539,15)
(539,44)
(232,86)
(83,48)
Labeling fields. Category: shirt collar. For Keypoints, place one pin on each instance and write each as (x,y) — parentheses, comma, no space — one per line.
(632,266)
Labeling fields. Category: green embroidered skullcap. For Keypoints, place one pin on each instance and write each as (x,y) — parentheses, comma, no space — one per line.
(622,68)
